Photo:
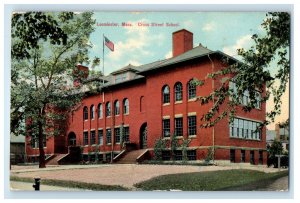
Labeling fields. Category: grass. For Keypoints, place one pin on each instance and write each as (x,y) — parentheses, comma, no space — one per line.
(72,184)
(230,180)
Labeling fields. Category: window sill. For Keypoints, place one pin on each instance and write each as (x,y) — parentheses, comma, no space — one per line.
(126,114)
(100,117)
(166,138)
(94,145)
(178,137)
(108,144)
(240,138)
(85,120)
(86,145)
(166,104)
(117,143)
(117,115)
(108,116)
(192,100)
(178,102)
(192,136)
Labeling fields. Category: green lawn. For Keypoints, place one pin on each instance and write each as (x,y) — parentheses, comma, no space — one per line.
(212,181)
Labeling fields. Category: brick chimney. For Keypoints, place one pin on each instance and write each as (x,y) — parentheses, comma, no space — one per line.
(80,72)
(182,42)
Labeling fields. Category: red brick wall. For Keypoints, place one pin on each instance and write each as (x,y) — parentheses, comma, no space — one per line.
(182,42)
(151,91)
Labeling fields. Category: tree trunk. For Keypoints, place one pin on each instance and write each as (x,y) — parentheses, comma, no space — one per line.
(42,162)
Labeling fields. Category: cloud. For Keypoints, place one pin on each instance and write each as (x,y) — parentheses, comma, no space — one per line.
(136,46)
(188,24)
(242,42)
(209,26)
(169,55)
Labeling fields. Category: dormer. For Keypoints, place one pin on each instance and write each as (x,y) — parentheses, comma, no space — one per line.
(123,74)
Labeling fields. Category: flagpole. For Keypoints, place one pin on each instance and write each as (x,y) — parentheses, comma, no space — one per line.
(103,68)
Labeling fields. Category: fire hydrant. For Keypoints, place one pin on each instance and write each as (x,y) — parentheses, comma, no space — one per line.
(36,186)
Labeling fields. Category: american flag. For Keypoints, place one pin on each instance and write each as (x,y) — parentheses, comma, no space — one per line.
(109,44)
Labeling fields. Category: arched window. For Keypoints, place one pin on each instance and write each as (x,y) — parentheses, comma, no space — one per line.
(117,107)
(85,113)
(107,109)
(191,90)
(166,94)
(100,111)
(92,110)
(126,106)
(178,91)
(142,108)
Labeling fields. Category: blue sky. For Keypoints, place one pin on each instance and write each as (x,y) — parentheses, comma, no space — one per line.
(224,31)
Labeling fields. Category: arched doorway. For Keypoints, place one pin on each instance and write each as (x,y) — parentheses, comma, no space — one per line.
(72,139)
(143,136)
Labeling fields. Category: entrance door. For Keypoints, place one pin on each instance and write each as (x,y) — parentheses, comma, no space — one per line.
(72,139)
(143,136)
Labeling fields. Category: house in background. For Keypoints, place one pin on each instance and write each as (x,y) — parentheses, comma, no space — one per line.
(282,135)
(138,105)
(270,137)
(17,149)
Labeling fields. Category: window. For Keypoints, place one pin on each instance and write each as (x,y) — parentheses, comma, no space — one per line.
(107,113)
(178,91)
(85,113)
(251,157)
(191,90)
(232,155)
(126,134)
(142,104)
(241,128)
(260,157)
(178,127)
(243,156)
(166,94)
(108,157)
(117,107)
(117,135)
(100,136)
(126,106)
(191,154)
(166,127)
(85,138)
(108,136)
(244,99)
(192,125)
(178,155)
(92,110)
(93,137)
(258,100)
(100,111)
(166,155)
(120,77)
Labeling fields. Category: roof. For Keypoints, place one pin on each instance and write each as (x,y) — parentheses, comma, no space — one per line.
(129,67)
(141,70)
(196,52)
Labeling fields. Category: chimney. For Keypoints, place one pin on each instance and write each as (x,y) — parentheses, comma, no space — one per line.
(182,42)
(79,73)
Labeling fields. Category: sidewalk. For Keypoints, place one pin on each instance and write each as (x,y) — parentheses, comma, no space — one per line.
(22,186)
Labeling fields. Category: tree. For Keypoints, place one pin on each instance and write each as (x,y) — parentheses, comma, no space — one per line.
(42,80)
(273,150)
(254,73)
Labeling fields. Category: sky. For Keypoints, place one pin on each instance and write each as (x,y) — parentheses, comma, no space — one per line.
(137,44)
(223,31)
